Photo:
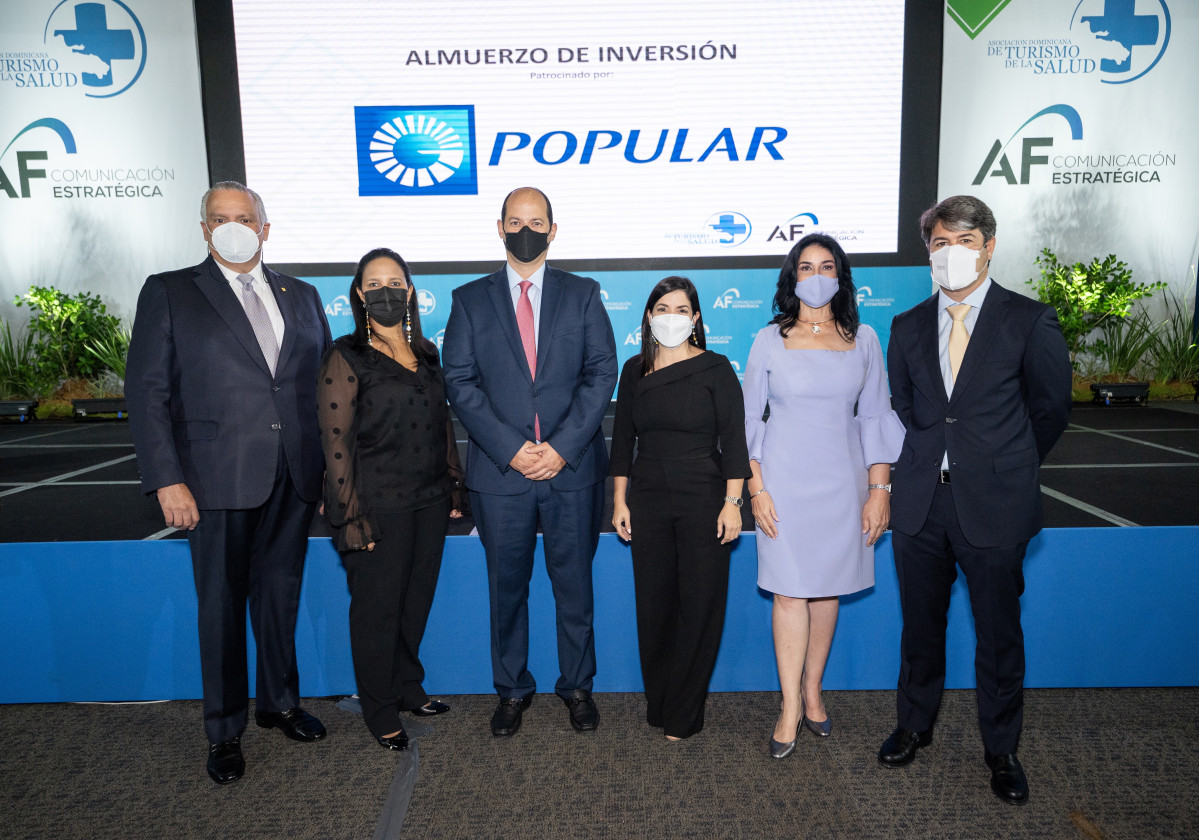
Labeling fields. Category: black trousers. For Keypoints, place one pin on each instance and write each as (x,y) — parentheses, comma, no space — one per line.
(391,593)
(926,564)
(253,557)
(681,579)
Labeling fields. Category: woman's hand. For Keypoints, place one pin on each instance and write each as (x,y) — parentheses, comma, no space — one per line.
(728,523)
(455,514)
(621,521)
(764,515)
(876,515)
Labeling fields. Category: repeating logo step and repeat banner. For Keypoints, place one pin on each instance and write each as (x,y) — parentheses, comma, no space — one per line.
(1075,120)
(674,129)
(102,156)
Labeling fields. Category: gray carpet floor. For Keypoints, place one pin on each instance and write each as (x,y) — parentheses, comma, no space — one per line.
(1109,763)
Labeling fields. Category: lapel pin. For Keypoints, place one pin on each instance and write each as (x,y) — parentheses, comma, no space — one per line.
(283,288)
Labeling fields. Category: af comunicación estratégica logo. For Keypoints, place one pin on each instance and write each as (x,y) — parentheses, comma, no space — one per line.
(416,150)
(101,44)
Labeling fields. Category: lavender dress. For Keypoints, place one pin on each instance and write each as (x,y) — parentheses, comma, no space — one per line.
(814,454)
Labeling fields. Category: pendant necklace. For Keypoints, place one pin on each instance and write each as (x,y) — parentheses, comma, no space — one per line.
(815,325)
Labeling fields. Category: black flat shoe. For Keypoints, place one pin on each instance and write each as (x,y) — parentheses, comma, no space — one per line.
(1008,781)
(433,707)
(900,748)
(225,761)
(399,741)
(506,719)
(296,724)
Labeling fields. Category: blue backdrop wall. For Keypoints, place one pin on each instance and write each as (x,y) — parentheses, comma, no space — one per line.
(117,620)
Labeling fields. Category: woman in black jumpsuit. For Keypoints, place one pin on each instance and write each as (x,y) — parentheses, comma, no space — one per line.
(391,471)
(679,502)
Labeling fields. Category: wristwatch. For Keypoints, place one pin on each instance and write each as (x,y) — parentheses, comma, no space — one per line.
(886,487)
(734,500)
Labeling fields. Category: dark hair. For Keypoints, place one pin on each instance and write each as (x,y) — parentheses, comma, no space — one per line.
(649,348)
(549,209)
(958,212)
(422,348)
(845,301)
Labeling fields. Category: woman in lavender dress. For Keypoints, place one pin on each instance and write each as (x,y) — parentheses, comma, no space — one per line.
(819,490)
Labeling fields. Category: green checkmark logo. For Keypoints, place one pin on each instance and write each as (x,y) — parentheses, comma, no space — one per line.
(974,15)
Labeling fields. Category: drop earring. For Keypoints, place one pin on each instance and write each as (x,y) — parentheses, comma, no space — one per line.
(408,325)
(368,328)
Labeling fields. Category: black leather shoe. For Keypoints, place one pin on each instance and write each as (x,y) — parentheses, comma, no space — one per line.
(900,748)
(399,741)
(506,719)
(1008,781)
(225,761)
(296,724)
(584,716)
(433,707)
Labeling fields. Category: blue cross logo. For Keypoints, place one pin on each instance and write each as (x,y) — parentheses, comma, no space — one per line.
(733,228)
(91,36)
(1120,24)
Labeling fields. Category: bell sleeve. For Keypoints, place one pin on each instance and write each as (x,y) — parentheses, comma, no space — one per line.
(337,406)
(754,393)
(879,428)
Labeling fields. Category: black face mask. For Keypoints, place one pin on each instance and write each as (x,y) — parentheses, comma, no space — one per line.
(386,306)
(526,244)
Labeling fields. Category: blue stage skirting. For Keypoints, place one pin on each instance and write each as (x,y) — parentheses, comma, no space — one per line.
(117,620)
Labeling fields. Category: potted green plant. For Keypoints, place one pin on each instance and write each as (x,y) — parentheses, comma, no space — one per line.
(1096,300)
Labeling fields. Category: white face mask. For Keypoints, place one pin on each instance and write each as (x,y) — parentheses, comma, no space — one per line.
(670,330)
(954,267)
(235,242)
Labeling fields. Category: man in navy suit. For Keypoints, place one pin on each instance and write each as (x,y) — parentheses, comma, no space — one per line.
(530,364)
(221,384)
(980,376)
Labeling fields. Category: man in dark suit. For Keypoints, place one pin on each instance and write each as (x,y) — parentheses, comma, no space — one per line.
(530,365)
(221,384)
(980,376)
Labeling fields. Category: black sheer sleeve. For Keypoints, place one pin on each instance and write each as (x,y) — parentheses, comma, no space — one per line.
(337,408)
(460,499)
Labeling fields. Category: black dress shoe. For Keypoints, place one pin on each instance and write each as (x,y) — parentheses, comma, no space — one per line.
(225,761)
(296,724)
(1008,781)
(399,741)
(433,707)
(900,748)
(506,719)
(584,716)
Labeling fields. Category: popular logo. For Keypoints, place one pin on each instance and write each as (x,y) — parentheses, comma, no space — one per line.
(104,41)
(26,173)
(998,158)
(416,150)
(425,302)
(793,228)
(731,228)
(1132,43)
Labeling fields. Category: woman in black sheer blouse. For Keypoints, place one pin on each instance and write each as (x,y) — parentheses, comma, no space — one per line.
(392,482)
(679,501)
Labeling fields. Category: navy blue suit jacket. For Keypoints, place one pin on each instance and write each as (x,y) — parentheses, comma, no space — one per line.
(203,407)
(1010,404)
(493,393)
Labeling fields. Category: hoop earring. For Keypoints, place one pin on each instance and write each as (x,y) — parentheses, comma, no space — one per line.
(368,328)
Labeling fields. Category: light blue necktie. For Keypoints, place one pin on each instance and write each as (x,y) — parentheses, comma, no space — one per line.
(260,320)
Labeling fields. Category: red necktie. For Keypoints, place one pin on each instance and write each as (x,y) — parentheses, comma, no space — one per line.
(524,322)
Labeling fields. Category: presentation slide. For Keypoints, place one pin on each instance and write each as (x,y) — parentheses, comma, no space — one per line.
(658,130)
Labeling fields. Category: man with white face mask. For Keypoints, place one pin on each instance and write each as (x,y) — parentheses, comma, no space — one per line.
(980,377)
(221,383)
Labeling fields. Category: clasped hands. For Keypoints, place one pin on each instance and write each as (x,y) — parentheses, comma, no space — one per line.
(537,461)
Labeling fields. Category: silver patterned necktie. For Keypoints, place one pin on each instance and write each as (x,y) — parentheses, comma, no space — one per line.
(260,320)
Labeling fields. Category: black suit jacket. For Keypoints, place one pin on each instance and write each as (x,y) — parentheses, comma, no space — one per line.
(203,407)
(1010,403)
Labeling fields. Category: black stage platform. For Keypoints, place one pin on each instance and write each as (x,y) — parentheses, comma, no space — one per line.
(1115,466)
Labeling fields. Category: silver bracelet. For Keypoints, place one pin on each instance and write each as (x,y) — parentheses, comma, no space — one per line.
(886,487)
(760,492)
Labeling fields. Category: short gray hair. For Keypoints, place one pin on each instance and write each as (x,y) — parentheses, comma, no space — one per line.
(235,186)
(959,212)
